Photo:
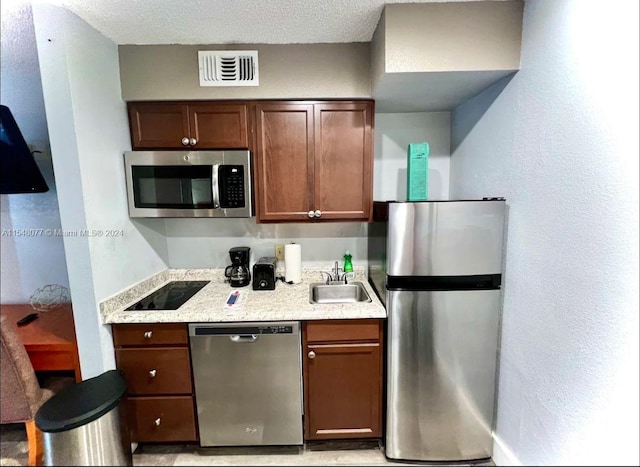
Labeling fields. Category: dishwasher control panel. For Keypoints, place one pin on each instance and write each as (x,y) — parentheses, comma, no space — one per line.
(276,330)
(242,330)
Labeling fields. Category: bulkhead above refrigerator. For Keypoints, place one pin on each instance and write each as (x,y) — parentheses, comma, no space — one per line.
(189,183)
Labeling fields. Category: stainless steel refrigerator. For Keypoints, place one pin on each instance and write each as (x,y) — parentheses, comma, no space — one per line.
(437,266)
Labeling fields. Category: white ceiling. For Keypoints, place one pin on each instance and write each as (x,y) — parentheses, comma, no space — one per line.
(232,21)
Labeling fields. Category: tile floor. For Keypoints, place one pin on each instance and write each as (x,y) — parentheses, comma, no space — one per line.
(13,451)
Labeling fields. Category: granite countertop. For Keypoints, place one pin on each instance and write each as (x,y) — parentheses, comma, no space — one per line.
(288,302)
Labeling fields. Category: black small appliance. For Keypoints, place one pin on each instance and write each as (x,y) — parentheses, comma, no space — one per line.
(238,273)
(264,273)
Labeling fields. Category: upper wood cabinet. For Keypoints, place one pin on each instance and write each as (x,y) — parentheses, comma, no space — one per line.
(284,161)
(314,161)
(343,160)
(219,125)
(206,125)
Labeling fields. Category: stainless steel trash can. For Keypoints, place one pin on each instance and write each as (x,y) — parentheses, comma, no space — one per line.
(86,424)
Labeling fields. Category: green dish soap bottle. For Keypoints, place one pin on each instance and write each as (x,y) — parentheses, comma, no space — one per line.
(348,267)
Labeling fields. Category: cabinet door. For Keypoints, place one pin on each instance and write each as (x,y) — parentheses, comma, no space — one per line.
(343,390)
(158,125)
(284,162)
(218,126)
(343,177)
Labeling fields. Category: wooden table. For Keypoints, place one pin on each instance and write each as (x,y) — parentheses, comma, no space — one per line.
(50,340)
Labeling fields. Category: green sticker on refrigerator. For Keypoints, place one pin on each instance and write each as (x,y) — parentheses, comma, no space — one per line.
(417,171)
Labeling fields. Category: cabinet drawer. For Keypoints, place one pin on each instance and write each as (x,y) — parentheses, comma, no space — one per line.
(162,418)
(343,330)
(150,334)
(158,370)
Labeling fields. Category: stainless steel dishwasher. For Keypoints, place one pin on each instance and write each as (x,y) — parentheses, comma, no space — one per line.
(248,383)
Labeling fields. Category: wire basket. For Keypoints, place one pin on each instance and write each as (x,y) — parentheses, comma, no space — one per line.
(49,297)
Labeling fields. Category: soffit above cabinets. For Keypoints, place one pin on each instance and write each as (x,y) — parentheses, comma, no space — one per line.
(431,92)
(435,56)
(423,57)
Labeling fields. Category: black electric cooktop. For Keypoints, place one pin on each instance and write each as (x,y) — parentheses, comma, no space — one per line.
(170,296)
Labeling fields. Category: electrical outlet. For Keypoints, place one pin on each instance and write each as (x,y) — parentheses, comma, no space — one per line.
(280,252)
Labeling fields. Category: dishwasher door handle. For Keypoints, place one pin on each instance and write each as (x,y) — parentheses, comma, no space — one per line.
(246,339)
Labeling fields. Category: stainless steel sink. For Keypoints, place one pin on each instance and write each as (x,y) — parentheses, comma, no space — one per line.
(320,293)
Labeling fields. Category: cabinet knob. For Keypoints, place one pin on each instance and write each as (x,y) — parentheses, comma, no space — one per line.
(193,141)
(185,141)
(311,214)
(318,213)
(148,334)
(152,373)
(312,355)
(156,422)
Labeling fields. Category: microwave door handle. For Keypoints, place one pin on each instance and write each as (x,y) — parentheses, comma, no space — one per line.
(215,186)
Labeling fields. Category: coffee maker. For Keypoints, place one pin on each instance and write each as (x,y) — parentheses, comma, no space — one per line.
(238,273)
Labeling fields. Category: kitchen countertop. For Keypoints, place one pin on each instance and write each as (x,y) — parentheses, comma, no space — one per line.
(288,302)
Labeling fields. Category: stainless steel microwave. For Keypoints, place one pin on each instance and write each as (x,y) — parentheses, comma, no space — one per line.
(189,183)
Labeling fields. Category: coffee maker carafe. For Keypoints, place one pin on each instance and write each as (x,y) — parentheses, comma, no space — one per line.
(238,273)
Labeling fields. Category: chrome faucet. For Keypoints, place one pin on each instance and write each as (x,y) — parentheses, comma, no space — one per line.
(329,277)
(336,272)
(334,275)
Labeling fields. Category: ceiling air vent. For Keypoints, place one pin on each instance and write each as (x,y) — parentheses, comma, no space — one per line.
(228,67)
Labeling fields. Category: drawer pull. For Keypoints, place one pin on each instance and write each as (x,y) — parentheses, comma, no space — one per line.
(156,422)
(312,355)
(152,373)
(148,334)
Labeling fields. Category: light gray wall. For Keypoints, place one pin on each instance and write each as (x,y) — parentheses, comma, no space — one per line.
(165,72)
(27,262)
(205,243)
(31,261)
(393,133)
(89,133)
(452,36)
(20,86)
(560,142)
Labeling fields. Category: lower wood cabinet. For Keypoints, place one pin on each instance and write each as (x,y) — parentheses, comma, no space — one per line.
(342,367)
(152,371)
(342,371)
(162,419)
(156,362)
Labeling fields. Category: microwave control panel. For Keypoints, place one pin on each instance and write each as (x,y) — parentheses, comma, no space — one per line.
(231,180)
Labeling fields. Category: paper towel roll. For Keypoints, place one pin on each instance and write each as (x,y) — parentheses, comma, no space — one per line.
(293,263)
